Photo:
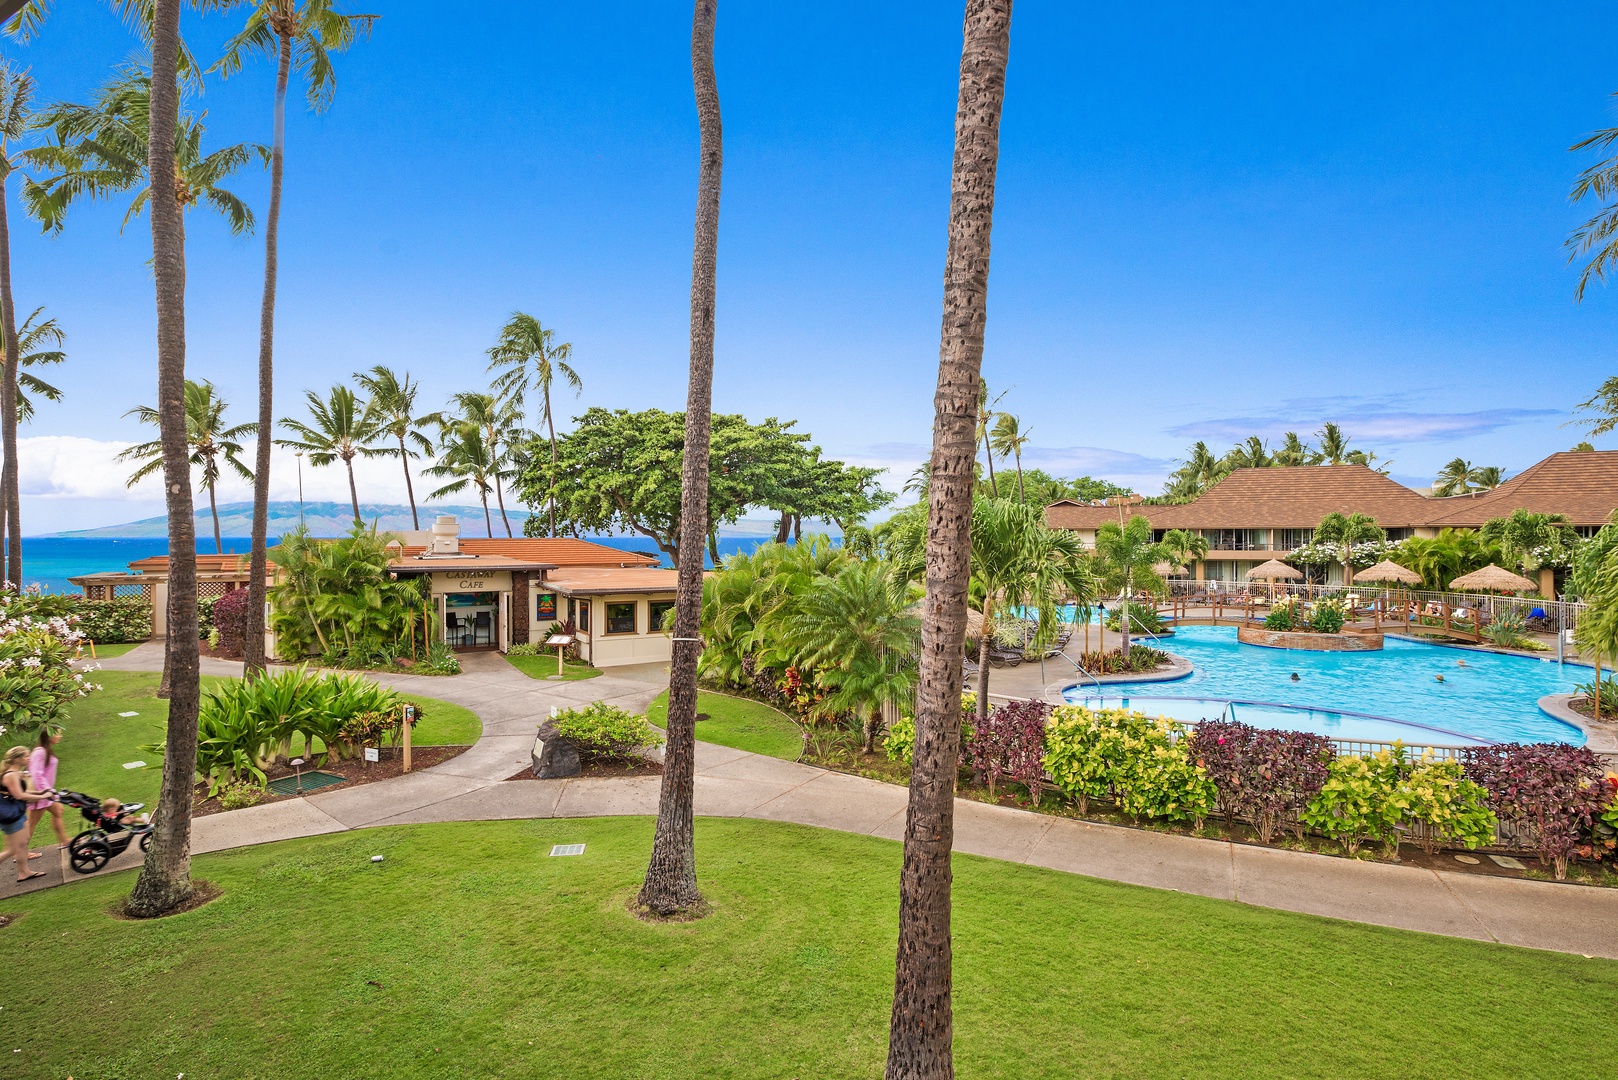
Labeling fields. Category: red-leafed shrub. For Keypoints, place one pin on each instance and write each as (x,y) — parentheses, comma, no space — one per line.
(1010,744)
(230,619)
(1262,774)
(1557,789)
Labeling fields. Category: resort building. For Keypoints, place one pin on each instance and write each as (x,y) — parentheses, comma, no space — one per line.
(1254,515)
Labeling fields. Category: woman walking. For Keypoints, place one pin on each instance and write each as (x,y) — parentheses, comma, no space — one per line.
(42,774)
(16,795)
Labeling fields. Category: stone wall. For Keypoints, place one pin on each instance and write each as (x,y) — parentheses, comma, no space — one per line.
(520,607)
(1348,641)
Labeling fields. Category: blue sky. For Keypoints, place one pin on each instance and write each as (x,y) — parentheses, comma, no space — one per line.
(1211,221)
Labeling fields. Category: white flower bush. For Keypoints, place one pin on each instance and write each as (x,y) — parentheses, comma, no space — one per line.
(37,679)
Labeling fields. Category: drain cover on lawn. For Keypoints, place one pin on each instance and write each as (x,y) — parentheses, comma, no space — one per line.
(311,781)
(567,849)
(1507,862)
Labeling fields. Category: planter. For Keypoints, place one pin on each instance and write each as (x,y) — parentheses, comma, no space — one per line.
(1348,641)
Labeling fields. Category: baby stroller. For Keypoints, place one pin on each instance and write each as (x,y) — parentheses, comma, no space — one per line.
(106,838)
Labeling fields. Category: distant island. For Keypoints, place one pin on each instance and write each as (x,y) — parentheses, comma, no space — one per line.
(336,518)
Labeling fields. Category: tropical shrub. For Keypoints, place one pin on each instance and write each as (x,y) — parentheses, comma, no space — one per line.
(106,622)
(230,622)
(1606,689)
(1451,808)
(1279,618)
(1143,764)
(1327,617)
(1557,789)
(1361,799)
(525,648)
(1013,634)
(237,794)
(1011,744)
(900,743)
(1143,618)
(205,625)
(337,600)
(605,732)
(37,679)
(1508,629)
(1264,775)
(1113,662)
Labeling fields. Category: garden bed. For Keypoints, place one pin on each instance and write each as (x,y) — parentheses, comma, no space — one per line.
(1349,640)
(590,769)
(354,773)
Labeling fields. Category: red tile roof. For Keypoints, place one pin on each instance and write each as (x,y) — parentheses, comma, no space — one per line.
(594,581)
(558,551)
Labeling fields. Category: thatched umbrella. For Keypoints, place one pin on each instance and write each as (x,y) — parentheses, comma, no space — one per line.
(1388,570)
(1272,570)
(1493,578)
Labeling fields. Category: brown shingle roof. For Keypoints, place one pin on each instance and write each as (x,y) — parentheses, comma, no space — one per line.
(594,581)
(1581,484)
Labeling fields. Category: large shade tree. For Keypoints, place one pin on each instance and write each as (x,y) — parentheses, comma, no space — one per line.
(530,359)
(211,443)
(302,37)
(670,885)
(1530,541)
(921,1025)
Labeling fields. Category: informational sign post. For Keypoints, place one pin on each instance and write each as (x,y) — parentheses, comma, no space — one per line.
(409,722)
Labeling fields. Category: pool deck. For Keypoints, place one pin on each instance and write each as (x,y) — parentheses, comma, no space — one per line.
(733,783)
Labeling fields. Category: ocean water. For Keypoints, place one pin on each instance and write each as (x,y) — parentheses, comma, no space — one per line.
(48,561)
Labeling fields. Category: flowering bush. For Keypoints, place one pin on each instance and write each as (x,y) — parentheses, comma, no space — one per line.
(230,622)
(1279,618)
(1559,790)
(1011,744)
(37,679)
(1327,617)
(1144,764)
(106,622)
(1452,808)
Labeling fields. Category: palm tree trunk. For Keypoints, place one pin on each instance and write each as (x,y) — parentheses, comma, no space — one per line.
(213,508)
(988,452)
(165,878)
(984,644)
(1123,625)
(501,499)
(550,423)
(671,876)
(353,492)
(258,559)
(1022,494)
(488,522)
(10,482)
(921,1029)
(410,490)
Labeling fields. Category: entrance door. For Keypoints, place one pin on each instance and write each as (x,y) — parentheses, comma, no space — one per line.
(472,620)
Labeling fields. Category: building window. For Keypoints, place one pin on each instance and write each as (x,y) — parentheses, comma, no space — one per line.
(1396,535)
(621,618)
(1586,532)
(1292,539)
(578,613)
(657,608)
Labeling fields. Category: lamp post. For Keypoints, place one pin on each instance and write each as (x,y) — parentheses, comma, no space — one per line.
(299,456)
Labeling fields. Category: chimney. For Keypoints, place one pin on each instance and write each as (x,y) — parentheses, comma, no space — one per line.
(446,536)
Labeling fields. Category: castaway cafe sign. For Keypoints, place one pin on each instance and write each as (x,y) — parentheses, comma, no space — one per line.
(473,581)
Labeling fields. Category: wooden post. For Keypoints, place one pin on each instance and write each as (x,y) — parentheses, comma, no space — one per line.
(559,662)
(409,722)
(1598,688)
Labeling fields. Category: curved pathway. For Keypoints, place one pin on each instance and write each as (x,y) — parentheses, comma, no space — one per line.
(734,783)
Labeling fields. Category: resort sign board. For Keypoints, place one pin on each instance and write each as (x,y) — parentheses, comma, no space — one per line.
(458,581)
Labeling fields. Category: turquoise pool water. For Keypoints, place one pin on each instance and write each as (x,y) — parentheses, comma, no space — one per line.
(1484,696)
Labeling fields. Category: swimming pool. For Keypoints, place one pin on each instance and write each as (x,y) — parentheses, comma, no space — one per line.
(1486,696)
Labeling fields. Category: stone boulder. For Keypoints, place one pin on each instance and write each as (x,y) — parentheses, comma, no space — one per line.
(554,756)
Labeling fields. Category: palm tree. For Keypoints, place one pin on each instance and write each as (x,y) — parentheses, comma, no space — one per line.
(466,459)
(986,415)
(1293,451)
(855,630)
(1184,547)
(303,37)
(1443,558)
(1008,439)
(101,149)
(16,91)
(1348,531)
(1455,478)
(1333,445)
(1488,477)
(921,1026)
(1128,559)
(1197,473)
(529,359)
(393,406)
(165,878)
(1603,404)
(1597,237)
(1251,454)
(342,429)
(500,421)
(31,339)
(671,875)
(207,439)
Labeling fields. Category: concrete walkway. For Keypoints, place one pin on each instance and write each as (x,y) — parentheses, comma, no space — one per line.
(734,783)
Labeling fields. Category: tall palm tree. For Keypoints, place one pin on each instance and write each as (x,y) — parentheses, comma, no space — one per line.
(32,338)
(466,459)
(16,92)
(1008,439)
(207,438)
(1603,404)
(1293,451)
(1128,560)
(1333,445)
(1488,477)
(671,875)
(1347,531)
(986,415)
(1455,478)
(301,36)
(1183,546)
(530,359)
(101,149)
(500,421)
(855,630)
(921,1027)
(342,428)
(1251,454)
(165,878)
(1197,473)
(393,406)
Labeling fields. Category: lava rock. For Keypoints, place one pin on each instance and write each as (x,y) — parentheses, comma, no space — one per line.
(554,756)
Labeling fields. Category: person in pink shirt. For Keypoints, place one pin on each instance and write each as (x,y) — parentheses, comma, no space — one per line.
(42,772)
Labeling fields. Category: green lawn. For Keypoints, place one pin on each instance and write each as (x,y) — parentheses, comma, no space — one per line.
(738,722)
(318,963)
(96,741)
(539,667)
(107,652)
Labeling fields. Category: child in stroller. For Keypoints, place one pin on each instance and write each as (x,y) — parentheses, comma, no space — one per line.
(112,826)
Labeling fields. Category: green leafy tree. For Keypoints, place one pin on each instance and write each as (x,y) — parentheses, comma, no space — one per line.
(210,443)
(1529,541)
(1488,477)
(1293,451)
(338,597)
(1199,471)
(1008,439)
(823,489)
(854,630)
(1443,558)
(393,409)
(529,358)
(1184,546)
(750,599)
(1455,478)
(1128,561)
(340,428)
(1044,489)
